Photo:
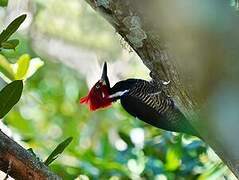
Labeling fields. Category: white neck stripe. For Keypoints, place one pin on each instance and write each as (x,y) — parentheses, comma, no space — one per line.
(118,94)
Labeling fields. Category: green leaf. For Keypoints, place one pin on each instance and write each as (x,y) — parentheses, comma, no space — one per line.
(126,139)
(3,3)
(11,28)
(22,66)
(5,68)
(34,65)
(11,44)
(172,159)
(9,96)
(58,150)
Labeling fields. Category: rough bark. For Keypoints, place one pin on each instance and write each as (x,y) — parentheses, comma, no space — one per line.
(21,164)
(128,19)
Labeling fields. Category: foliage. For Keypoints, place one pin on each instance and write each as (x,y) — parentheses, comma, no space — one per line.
(59,149)
(52,22)
(12,92)
(6,34)
(9,96)
(108,144)
(3,3)
(24,68)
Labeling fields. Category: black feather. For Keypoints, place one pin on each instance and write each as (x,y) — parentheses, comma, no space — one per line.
(148,102)
(171,120)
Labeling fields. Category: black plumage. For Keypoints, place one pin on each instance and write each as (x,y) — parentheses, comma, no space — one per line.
(148,102)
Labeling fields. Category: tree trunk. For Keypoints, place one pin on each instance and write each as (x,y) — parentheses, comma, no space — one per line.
(193,45)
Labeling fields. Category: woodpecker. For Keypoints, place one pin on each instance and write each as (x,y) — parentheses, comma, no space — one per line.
(142,99)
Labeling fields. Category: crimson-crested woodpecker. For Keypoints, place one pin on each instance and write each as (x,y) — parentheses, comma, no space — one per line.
(142,99)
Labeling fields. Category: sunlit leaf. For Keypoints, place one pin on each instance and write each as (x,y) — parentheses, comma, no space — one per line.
(172,159)
(9,96)
(11,44)
(34,65)
(58,150)
(5,68)
(3,3)
(11,28)
(22,66)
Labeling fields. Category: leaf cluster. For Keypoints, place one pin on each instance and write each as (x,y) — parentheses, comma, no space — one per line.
(11,93)
(5,43)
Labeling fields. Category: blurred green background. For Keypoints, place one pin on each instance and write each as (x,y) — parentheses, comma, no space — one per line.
(73,41)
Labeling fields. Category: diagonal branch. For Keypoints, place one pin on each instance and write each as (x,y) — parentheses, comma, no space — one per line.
(21,164)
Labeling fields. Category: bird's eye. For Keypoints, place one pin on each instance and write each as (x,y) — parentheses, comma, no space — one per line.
(97,86)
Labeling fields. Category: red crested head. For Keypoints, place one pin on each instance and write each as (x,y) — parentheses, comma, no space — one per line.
(98,96)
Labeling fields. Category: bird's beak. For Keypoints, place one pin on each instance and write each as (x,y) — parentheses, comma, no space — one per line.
(104,73)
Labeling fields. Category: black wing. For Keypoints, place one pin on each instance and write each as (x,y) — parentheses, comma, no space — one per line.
(150,104)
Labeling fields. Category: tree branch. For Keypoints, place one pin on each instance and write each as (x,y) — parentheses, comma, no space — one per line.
(21,164)
(130,21)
